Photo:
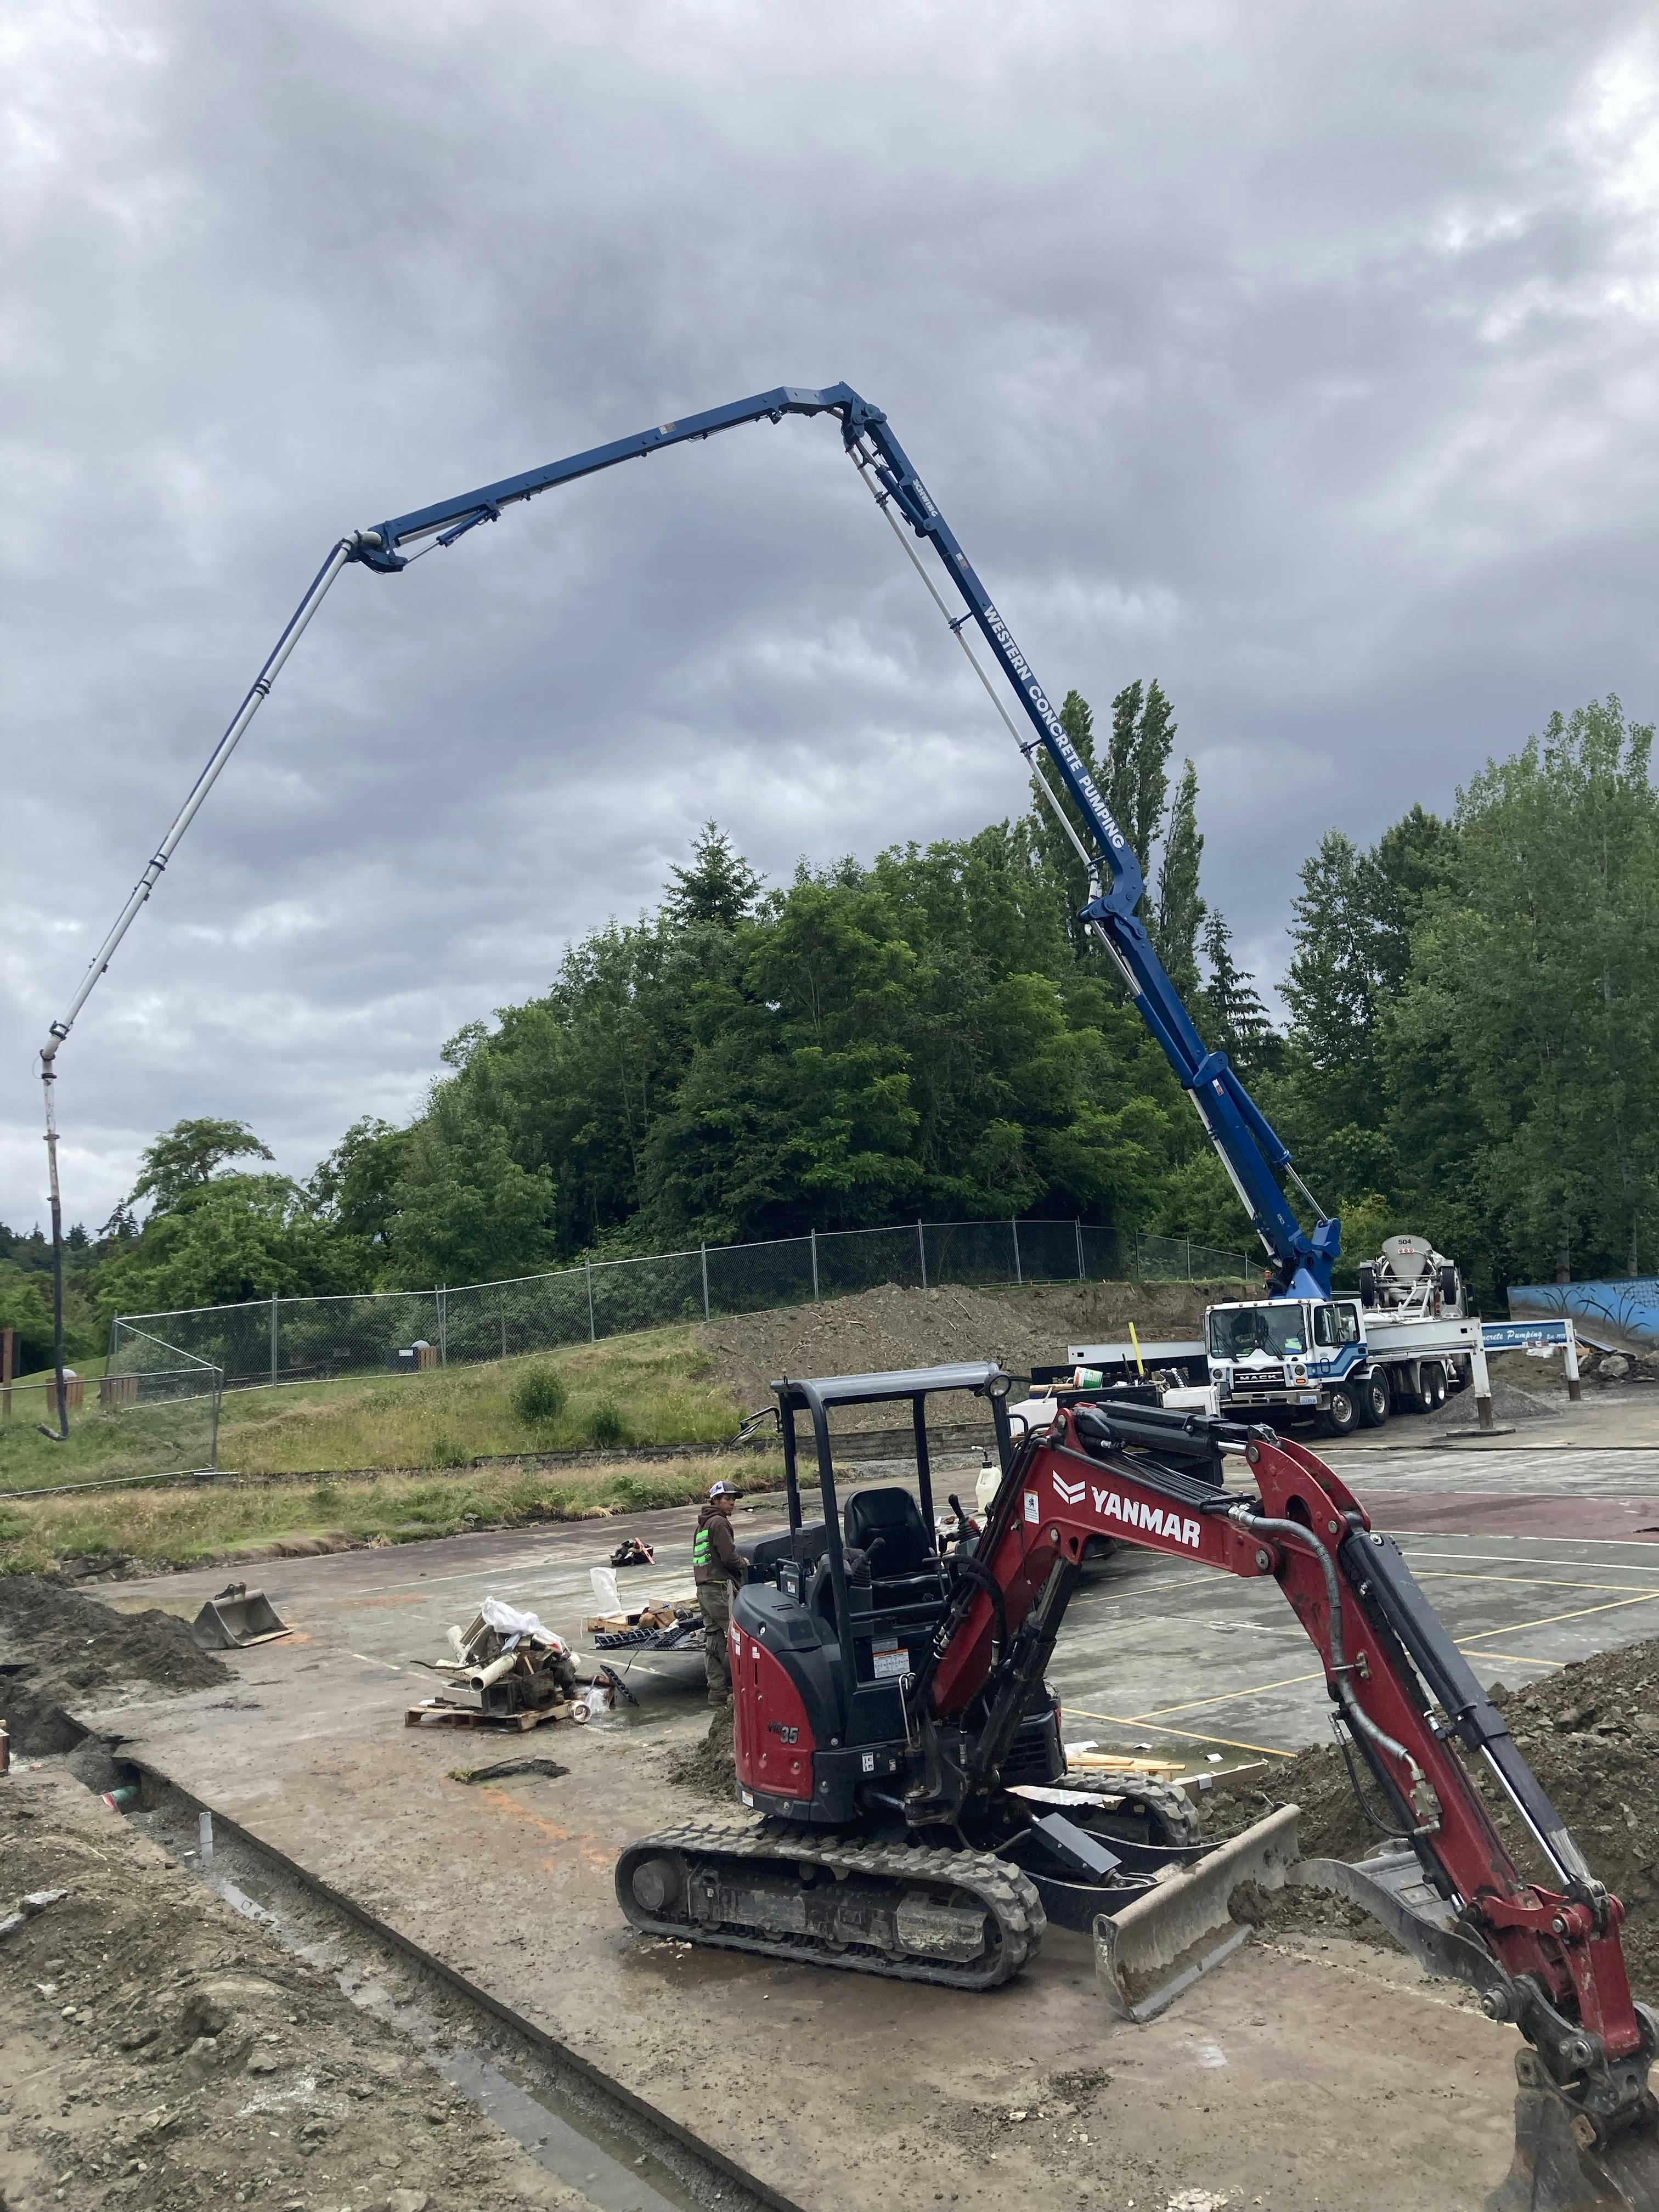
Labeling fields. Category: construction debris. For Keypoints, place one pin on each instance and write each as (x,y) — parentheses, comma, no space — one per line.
(236,1617)
(631,1553)
(663,1623)
(520,1674)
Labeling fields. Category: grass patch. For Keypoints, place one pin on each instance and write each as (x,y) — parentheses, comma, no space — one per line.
(164,1527)
(640,1389)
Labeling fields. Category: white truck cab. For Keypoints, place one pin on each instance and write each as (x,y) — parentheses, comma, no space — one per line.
(1337,1358)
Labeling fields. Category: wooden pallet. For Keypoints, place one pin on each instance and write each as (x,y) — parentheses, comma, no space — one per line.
(442,1716)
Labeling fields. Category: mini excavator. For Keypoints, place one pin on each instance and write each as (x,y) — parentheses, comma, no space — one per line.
(895,1735)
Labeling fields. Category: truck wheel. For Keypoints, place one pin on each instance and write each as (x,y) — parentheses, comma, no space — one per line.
(1341,1414)
(1434,1387)
(1372,1398)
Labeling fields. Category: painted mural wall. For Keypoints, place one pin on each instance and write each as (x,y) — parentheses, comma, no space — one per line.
(1618,1317)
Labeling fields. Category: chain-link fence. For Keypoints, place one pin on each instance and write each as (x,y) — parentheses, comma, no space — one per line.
(313,1339)
(1173,1259)
(155,1410)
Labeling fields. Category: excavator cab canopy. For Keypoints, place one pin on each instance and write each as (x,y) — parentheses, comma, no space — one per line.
(894,1543)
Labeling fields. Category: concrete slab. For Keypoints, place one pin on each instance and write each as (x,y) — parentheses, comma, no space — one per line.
(1275,2079)
(1283,2078)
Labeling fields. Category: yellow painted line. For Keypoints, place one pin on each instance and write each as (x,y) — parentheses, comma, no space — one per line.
(1124,1720)
(1522,1582)
(1232,1697)
(1614,1604)
(1509,1658)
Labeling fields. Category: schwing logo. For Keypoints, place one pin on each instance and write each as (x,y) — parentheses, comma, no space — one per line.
(1069,1493)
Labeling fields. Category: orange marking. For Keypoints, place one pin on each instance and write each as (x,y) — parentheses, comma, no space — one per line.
(503,1802)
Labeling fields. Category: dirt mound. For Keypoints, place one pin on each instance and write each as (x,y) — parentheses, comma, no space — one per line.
(61,1650)
(710,1769)
(1523,1389)
(164,2054)
(892,1327)
(1591,1734)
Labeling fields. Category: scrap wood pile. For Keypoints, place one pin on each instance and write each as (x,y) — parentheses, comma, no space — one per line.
(518,1673)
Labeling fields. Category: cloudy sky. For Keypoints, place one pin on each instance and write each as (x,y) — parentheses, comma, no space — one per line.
(1301,356)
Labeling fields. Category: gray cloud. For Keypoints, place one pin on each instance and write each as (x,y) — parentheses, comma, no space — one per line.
(1303,358)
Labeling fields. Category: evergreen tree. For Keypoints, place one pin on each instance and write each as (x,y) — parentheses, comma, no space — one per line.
(1137,767)
(720,886)
(1180,909)
(1235,1020)
(1058,855)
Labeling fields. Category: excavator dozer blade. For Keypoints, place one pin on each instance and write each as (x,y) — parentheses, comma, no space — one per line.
(237,1618)
(1159,1946)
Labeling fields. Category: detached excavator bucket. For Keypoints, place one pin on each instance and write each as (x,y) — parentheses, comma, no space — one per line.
(237,1618)
(1159,1946)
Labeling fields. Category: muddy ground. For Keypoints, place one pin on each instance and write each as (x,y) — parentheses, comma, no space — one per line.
(58,1648)
(891,1327)
(1590,1733)
(159,2053)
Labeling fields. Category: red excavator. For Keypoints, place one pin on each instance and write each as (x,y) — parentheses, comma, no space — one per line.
(896,1737)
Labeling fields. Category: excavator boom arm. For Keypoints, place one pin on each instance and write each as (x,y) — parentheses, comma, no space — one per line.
(1405,1694)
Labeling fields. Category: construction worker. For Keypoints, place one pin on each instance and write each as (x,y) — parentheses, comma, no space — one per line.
(717,1571)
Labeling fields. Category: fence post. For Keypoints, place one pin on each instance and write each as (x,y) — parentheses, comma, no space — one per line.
(587,1270)
(8,1339)
(1078,1226)
(501,1314)
(1014,1226)
(1189,1258)
(921,1247)
(703,1252)
(815,1265)
(273,1336)
(443,1326)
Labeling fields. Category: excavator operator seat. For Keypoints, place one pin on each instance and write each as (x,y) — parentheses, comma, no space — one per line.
(887,1524)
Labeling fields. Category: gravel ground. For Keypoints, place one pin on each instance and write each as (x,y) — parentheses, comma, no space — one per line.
(159,2053)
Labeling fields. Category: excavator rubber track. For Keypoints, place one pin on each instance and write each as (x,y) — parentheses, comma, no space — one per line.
(964,1920)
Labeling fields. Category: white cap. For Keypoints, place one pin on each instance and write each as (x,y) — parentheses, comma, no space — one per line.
(723,1490)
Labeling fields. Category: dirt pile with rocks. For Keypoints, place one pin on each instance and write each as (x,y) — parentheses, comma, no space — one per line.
(161,2053)
(887,1328)
(1523,1389)
(709,1769)
(1590,1733)
(60,1649)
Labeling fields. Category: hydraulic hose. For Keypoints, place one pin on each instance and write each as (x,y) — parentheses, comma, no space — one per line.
(1292,1532)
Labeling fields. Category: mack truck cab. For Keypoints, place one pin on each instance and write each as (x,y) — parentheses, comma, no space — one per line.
(1335,1360)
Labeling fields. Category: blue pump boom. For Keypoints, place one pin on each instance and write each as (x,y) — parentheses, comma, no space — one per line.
(1255,1159)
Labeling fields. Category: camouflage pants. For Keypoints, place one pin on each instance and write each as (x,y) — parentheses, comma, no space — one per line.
(716,1599)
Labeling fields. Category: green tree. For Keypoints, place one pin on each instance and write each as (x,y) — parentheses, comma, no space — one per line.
(467,1213)
(1534,983)
(1233,1018)
(720,887)
(185,1156)
(355,1190)
(1138,765)
(1179,909)
(1058,854)
(230,1238)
